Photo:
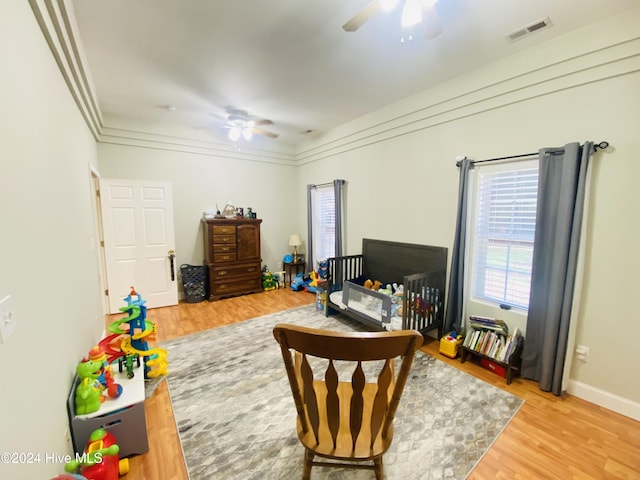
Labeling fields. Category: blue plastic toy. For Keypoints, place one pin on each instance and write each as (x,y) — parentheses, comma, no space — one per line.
(299,283)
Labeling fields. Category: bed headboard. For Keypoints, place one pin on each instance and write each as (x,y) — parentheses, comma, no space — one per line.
(390,261)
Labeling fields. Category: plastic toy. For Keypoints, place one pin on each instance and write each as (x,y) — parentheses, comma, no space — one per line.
(300,283)
(69,476)
(323,269)
(311,287)
(88,392)
(100,460)
(98,354)
(268,280)
(87,398)
(127,362)
(133,341)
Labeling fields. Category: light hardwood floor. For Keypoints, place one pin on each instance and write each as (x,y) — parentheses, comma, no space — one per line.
(550,437)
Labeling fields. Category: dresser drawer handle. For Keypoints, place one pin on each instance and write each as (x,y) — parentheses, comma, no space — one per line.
(251,269)
(222,272)
(222,287)
(226,257)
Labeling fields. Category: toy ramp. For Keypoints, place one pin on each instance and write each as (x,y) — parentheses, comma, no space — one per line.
(157,364)
(115,326)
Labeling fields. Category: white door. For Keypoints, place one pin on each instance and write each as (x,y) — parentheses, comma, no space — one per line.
(139,241)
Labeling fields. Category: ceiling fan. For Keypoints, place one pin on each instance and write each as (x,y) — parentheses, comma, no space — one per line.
(240,124)
(414,13)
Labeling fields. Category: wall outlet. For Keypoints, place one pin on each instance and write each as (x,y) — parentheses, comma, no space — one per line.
(582,353)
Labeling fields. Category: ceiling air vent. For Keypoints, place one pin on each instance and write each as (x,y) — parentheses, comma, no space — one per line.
(528,29)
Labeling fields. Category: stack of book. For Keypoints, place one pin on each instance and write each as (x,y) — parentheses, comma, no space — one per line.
(486,323)
(490,337)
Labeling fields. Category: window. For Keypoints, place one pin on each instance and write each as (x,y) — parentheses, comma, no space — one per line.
(503,234)
(323,210)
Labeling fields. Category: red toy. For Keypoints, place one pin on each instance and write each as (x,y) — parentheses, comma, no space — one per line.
(100,461)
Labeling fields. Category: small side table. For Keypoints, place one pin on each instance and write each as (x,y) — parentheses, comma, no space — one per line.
(288,269)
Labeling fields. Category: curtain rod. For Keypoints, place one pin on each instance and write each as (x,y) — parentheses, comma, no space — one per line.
(315,185)
(602,145)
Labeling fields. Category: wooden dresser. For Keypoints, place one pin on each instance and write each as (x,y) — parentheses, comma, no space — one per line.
(232,252)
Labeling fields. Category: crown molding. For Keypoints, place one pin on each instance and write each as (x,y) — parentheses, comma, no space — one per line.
(491,88)
(57,23)
(248,152)
(59,29)
(578,58)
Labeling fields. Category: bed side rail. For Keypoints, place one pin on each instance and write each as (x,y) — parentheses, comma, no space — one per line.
(422,307)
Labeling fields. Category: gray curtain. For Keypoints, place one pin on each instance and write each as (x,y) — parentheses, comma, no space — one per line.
(561,191)
(338,190)
(455,295)
(310,223)
(338,193)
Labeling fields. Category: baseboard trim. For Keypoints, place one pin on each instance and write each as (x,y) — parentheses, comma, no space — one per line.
(605,399)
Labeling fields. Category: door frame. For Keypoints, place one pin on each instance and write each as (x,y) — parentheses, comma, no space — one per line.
(98,240)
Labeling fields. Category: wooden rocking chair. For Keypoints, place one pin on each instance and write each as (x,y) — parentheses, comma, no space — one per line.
(348,420)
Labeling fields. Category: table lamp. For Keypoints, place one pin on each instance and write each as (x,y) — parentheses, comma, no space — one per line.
(295,242)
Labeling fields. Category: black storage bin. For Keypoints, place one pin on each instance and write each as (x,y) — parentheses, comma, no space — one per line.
(194,282)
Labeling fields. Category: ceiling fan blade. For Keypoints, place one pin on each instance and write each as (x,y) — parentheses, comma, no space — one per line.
(362,16)
(263,121)
(259,131)
(431,25)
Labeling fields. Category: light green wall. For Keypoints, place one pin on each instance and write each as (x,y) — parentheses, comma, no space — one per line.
(402,181)
(47,245)
(202,181)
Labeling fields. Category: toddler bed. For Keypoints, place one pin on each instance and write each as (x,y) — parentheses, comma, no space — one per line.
(420,270)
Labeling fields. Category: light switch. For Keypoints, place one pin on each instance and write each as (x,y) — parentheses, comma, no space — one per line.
(7,319)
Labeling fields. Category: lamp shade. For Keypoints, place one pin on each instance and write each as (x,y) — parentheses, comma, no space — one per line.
(294,240)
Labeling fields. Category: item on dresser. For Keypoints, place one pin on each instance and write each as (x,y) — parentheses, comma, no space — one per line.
(229,211)
(232,254)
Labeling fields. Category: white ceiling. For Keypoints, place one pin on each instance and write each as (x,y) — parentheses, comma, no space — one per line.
(289,60)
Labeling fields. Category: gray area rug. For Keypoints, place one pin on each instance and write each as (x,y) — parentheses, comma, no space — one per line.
(236,416)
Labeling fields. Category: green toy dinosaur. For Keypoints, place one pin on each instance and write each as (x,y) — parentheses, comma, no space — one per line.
(87,392)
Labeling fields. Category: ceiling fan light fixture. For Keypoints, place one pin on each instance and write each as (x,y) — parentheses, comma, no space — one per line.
(411,13)
(240,125)
(234,133)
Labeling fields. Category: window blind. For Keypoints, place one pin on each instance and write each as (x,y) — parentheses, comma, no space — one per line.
(504,234)
(324,214)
